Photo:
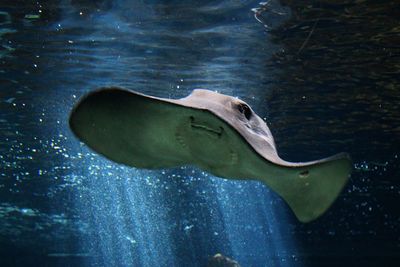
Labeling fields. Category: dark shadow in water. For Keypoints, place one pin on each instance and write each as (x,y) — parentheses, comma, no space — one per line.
(339,77)
(339,90)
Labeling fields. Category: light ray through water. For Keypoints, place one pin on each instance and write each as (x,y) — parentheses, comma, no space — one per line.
(177,217)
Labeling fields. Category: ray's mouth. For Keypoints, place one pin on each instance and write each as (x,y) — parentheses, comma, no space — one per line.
(205,128)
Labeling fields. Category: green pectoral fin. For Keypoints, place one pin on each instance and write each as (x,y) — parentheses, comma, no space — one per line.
(311,188)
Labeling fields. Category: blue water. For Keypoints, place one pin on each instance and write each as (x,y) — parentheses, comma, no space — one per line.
(62,205)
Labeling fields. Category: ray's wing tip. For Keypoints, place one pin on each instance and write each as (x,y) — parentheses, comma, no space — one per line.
(74,115)
(104,91)
(343,157)
(101,92)
(338,156)
(347,158)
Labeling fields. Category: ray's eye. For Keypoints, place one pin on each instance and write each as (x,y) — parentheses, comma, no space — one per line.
(245,110)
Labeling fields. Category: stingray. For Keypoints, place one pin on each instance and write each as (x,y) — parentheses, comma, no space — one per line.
(217,133)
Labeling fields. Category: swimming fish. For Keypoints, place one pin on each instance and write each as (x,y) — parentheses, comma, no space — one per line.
(218,133)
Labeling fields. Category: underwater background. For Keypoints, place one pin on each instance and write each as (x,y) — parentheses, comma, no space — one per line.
(324,74)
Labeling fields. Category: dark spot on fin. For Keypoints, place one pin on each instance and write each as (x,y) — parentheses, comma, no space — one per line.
(304,174)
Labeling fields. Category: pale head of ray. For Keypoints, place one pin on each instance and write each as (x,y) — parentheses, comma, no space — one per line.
(233,110)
